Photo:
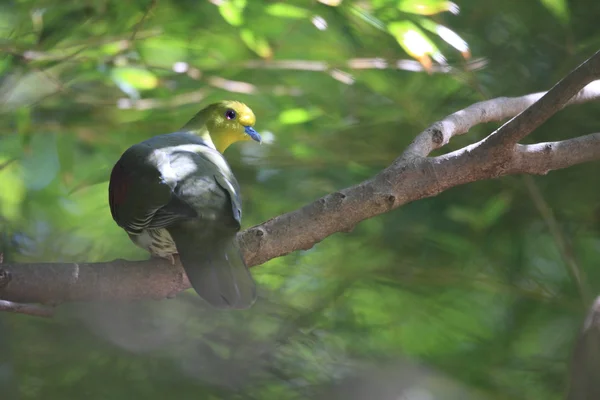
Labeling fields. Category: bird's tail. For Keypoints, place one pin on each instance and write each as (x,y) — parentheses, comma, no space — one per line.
(215,267)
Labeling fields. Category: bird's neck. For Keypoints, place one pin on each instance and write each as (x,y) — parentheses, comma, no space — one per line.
(222,141)
(219,141)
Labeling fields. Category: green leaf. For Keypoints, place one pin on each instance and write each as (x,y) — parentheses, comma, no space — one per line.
(137,77)
(232,11)
(132,79)
(559,9)
(12,188)
(256,43)
(332,3)
(412,39)
(112,48)
(297,116)
(284,10)
(427,7)
(447,35)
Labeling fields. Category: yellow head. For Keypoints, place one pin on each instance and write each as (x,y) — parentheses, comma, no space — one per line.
(224,123)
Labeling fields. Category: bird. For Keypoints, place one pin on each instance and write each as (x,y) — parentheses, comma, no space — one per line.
(175,194)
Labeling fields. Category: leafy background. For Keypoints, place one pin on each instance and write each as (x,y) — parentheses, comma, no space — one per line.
(469,295)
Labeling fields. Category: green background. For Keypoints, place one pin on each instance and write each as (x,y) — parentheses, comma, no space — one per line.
(467,295)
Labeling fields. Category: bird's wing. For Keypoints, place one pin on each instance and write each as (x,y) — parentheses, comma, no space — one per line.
(207,245)
(140,197)
(234,196)
(227,181)
(205,183)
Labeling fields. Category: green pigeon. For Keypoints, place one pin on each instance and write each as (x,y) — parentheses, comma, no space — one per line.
(175,194)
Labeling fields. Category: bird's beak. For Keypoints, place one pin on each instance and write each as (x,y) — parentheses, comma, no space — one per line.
(253,134)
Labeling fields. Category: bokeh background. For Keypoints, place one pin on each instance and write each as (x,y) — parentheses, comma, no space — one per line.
(468,295)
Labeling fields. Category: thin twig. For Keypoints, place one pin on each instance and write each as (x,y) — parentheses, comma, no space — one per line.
(142,20)
(558,237)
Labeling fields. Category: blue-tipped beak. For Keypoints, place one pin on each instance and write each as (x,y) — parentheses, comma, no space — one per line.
(253,134)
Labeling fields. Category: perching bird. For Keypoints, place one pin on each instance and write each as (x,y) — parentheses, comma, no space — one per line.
(175,194)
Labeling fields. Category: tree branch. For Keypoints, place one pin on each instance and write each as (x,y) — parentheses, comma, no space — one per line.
(540,158)
(498,109)
(550,103)
(411,177)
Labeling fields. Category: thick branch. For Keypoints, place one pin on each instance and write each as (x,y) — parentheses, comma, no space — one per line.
(411,177)
(115,280)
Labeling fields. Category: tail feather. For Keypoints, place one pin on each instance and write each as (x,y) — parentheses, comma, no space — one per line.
(215,267)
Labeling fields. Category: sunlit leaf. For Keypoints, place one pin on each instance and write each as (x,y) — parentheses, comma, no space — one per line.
(414,41)
(333,3)
(448,35)
(232,11)
(256,43)
(113,48)
(284,10)
(132,79)
(297,116)
(559,8)
(427,7)
(12,188)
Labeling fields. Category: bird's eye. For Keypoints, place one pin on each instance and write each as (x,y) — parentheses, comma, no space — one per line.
(230,114)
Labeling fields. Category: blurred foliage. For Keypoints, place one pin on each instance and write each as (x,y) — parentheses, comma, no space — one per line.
(463,296)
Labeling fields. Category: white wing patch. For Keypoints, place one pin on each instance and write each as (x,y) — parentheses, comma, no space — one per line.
(164,159)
